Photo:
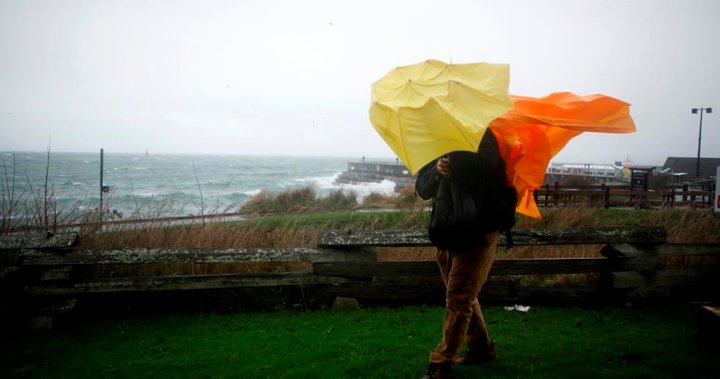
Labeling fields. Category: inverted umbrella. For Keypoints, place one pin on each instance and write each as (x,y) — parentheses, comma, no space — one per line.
(538,128)
(426,110)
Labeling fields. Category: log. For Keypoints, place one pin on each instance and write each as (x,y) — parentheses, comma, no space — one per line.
(521,237)
(396,238)
(179,256)
(368,270)
(40,241)
(668,278)
(588,236)
(664,250)
(548,266)
(175,283)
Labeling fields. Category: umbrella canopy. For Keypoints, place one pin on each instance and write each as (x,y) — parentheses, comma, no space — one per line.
(538,128)
(430,109)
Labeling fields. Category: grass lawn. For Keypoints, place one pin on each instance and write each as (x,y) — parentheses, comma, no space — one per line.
(367,343)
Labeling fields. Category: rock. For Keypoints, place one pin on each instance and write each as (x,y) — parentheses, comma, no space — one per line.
(345,303)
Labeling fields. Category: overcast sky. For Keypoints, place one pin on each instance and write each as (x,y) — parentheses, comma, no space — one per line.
(293,77)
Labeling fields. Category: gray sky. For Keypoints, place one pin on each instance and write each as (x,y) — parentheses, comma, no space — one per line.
(293,77)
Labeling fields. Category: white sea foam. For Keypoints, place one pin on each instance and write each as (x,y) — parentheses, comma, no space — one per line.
(252,193)
(148,194)
(386,187)
(326,184)
(321,182)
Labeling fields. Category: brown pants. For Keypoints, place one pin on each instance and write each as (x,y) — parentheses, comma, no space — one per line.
(464,273)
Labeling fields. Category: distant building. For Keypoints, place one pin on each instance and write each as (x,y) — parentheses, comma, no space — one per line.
(685,168)
(600,173)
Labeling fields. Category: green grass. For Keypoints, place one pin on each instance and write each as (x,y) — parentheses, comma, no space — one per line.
(368,343)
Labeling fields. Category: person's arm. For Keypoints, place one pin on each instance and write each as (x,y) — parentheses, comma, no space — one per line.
(427,181)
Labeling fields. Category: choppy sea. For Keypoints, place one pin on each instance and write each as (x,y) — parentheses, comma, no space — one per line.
(150,185)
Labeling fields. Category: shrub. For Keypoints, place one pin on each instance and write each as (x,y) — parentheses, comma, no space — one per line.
(408,199)
(377,201)
(338,200)
(261,203)
(298,200)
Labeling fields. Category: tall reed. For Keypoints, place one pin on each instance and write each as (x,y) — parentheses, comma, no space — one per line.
(33,209)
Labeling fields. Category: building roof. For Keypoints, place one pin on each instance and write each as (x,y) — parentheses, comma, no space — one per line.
(678,165)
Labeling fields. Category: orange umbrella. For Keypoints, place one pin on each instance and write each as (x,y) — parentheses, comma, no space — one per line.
(538,128)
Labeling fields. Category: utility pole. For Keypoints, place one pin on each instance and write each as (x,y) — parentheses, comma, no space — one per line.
(101,185)
(697,165)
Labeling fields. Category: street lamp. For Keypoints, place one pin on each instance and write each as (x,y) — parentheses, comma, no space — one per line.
(701,110)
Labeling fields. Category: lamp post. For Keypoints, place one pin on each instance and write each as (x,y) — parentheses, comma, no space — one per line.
(697,165)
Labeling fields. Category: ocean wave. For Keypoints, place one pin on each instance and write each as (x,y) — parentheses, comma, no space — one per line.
(252,193)
(386,188)
(149,194)
(321,181)
(327,184)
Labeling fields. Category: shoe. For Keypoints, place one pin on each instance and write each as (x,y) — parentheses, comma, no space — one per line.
(439,371)
(476,356)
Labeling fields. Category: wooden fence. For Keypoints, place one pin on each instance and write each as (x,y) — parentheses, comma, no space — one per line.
(624,196)
(46,275)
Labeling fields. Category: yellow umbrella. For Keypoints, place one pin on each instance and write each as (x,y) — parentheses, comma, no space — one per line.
(432,108)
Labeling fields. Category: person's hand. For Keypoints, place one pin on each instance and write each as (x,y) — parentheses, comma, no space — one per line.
(443,166)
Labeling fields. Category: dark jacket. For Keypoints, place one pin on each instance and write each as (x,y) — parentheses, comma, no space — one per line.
(482,176)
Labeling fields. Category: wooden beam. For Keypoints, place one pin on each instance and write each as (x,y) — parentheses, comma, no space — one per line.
(663,250)
(368,270)
(532,266)
(40,241)
(709,278)
(180,255)
(175,283)
(564,236)
(350,237)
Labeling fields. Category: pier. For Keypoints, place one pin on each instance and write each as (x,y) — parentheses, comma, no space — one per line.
(375,172)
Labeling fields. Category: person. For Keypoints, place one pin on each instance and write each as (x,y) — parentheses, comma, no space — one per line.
(465,262)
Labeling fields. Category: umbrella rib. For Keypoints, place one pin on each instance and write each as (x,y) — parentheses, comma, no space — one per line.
(458,125)
(402,138)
